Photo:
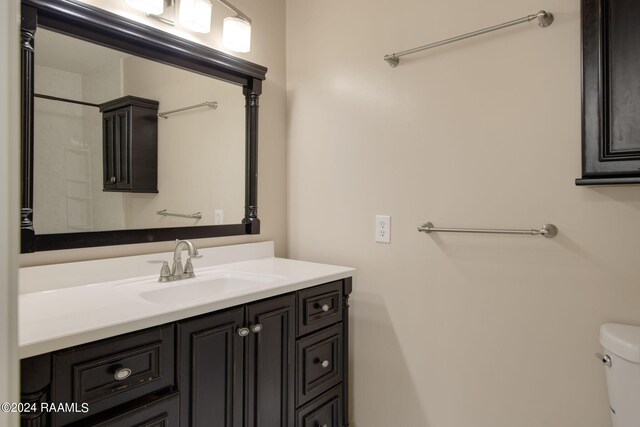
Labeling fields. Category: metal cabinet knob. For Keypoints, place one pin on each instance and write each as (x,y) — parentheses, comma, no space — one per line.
(122,374)
(256,328)
(243,332)
(323,307)
(113,179)
(324,364)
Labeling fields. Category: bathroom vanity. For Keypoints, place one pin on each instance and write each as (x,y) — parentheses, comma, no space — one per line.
(251,340)
(259,342)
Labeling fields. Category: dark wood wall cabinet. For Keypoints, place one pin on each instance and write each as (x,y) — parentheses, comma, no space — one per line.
(611,92)
(279,362)
(130,145)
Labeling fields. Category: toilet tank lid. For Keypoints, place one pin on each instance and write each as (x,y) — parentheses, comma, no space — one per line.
(621,340)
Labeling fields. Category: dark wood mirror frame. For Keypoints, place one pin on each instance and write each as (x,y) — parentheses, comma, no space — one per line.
(101,27)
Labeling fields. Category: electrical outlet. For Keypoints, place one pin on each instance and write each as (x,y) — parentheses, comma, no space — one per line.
(218,217)
(383,228)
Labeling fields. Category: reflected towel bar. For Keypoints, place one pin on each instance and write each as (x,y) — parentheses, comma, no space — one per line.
(164,212)
(547,230)
(71,101)
(210,104)
(544,20)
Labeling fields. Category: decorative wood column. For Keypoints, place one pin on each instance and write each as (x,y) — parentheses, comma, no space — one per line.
(27,34)
(252,92)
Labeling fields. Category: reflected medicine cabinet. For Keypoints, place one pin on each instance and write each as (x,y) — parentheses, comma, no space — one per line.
(130,144)
(610,92)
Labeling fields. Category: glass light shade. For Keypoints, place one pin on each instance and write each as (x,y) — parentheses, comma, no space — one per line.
(195,15)
(152,7)
(236,34)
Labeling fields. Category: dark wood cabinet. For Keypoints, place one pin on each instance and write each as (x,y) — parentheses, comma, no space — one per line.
(270,362)
(210,367)
(160,412)
(611,92)
(130,144)
(241,367)
(236,367)
(325,411)
(322,355)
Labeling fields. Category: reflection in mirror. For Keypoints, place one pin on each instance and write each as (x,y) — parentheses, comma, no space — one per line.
(201,151)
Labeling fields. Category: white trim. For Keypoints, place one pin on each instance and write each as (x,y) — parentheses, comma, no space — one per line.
(9,205)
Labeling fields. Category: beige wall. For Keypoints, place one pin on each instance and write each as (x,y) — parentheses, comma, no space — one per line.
(9,202)
(268,49)
(457,330)
(201,152)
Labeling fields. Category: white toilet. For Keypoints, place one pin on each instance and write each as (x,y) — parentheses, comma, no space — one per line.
(622,364)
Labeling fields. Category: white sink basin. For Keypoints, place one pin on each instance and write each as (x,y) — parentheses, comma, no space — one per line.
(204,287)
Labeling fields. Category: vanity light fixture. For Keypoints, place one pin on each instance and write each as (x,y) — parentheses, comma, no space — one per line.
(151,7)
(195,15)
(236,30)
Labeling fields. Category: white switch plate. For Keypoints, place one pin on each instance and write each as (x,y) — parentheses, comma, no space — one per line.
(218,217)
(383,228)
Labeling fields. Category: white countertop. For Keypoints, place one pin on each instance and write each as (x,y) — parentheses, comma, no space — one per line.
(67,316)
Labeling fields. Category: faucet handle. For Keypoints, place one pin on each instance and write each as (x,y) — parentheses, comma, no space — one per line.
(165,273)
(188,269)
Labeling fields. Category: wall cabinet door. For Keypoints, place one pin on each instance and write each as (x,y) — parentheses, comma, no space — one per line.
(130,145)
(211,370)
(270,363)
(117,149)
(611,92)
(109,173)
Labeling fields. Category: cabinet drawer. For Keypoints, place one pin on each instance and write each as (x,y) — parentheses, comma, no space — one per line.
(113,371)
(162,412)
(318,363)
(323,411)
(319,306)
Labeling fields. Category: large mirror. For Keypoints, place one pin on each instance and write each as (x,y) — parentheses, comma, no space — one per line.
(76,60)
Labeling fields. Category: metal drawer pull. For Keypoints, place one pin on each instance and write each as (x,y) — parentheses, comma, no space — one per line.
(256,328)
(122,374)
(324,364)
(243,332)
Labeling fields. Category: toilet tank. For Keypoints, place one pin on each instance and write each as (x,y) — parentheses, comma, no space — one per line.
(622,365)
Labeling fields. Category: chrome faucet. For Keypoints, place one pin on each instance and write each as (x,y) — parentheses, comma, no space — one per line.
(178,271)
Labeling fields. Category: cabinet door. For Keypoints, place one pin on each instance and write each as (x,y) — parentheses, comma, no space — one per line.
(109,150)
(210,369)
(611,92)
(270,363)
(123,148)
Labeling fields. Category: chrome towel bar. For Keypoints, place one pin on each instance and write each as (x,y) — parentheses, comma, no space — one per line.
(547,230)
(210,104)
(164,212)
(544,20)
